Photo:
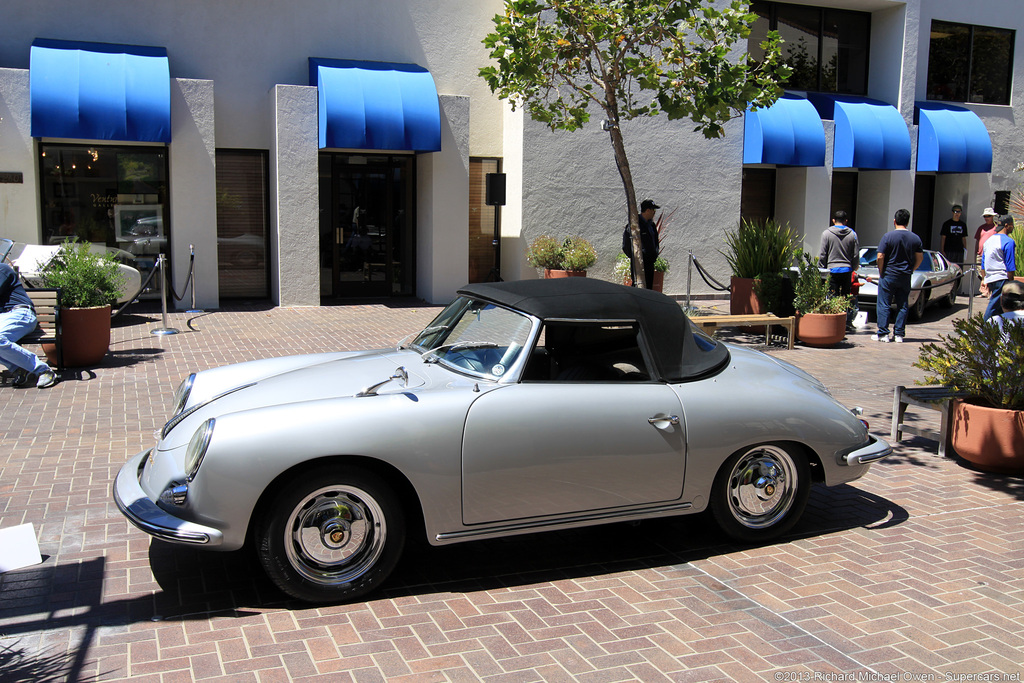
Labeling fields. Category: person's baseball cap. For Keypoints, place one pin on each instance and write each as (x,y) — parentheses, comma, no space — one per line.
(1006,220)
(648,204)
(989,212)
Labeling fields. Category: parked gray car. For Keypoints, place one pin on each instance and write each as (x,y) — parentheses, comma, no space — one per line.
(935,281)
(523,407)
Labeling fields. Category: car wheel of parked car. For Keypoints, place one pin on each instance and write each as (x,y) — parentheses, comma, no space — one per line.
(760,493)
(949,300)
(332,534)
(918,309)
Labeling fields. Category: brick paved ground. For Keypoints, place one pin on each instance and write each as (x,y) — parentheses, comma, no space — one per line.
(916,570)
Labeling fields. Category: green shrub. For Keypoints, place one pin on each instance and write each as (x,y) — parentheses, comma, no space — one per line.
(978,359)
(573,253)
(86,279)
(545,252)
(756,248)
(811,293)
(577,253)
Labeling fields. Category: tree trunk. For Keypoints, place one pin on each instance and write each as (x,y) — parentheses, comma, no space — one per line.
(634,224)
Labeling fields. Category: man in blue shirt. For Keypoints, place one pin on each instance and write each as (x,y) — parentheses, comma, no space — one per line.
(899,254)
(18,318)
(998,260)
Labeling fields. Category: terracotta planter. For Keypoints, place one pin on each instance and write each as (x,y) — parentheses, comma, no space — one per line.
(658,285)
(550,274)
(742,300)
(992,439)
(820,329)
(85,337)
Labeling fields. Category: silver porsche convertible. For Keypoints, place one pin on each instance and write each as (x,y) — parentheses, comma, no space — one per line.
(523,407)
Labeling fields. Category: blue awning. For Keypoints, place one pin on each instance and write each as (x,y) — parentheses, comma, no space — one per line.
(869,134)
(376,105)
(787,133)
(98,91)
(951,140)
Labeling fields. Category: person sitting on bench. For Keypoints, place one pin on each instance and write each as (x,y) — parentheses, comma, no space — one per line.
(18,318)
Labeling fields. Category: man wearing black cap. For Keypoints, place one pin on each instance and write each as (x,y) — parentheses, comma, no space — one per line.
(649,246)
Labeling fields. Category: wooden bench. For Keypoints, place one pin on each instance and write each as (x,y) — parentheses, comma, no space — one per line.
(939,398)
(48,330)
(709,323)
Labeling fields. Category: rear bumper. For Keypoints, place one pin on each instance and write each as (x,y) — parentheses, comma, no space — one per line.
(134,504)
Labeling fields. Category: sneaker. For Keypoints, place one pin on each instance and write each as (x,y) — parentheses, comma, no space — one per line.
(884,338)
(898,340)
(47,378)
(19,378)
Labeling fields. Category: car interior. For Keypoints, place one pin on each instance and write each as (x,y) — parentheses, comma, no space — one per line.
(587,352)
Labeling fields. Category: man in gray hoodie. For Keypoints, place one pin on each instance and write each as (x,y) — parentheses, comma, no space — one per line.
(840,253)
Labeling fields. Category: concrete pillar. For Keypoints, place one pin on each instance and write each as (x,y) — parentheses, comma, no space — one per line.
(193,183)
(295,197)
(19,189)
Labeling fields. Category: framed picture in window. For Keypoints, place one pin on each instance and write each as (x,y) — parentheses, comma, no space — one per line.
(138,221)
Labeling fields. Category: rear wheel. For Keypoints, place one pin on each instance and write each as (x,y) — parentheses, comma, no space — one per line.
(760,493)
(332,534)
(949,300)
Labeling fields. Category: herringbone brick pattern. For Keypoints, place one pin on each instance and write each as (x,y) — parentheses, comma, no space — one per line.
(915,572)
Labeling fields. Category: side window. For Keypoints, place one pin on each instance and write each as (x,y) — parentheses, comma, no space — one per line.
(587,352)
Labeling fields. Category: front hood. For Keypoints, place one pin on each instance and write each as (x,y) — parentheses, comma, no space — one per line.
(289,380)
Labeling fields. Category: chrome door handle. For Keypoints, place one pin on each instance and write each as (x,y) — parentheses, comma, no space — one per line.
(671,419)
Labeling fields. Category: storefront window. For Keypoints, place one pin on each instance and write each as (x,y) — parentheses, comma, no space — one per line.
(115,196)
(970,63)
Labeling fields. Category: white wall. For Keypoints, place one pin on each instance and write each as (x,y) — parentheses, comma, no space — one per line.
(19,202)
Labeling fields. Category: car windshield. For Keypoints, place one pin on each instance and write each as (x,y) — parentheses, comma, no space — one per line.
(869,258)
(475,337)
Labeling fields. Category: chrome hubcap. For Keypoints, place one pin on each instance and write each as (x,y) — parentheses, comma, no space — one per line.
(762,486)
(335,535)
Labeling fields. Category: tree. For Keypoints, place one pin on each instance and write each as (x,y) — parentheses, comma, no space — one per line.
(630,59)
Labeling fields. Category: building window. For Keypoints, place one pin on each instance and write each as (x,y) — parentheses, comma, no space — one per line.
(243,215)
(109,195)
(757,195)
(827,49)
(970,63)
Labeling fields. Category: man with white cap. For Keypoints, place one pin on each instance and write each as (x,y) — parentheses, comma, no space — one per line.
(986,229)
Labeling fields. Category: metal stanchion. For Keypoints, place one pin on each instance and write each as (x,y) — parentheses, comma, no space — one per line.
(192,272)
(689,274)
(163,300)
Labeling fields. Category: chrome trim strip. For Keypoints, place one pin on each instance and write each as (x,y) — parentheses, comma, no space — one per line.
(525,527)
(174,421)
(875,450)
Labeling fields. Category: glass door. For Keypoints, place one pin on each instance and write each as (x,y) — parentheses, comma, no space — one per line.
(367,234)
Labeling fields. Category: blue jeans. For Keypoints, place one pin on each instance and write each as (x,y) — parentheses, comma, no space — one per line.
(13,326)
(995,293)
(893,288)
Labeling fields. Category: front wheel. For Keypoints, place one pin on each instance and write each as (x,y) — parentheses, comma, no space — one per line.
(760,493)
(917,310)
(332,534)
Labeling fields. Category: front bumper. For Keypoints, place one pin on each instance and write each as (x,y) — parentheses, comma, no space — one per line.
(134,504)
(876,449)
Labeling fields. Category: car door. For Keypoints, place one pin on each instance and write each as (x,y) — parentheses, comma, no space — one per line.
(562,448)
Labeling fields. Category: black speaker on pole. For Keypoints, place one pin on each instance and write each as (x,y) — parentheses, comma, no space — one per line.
(1002,206)
(495,194)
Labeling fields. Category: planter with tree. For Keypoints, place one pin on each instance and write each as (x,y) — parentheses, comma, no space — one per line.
(987,364)
(560,60)
(761,250)
(90,283)
(820,316)
(569,258)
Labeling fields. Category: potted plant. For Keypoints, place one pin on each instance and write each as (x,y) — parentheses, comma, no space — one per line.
(624,274)
(820,316)
(754,249)
(987,365)
(90,283)
(569,258)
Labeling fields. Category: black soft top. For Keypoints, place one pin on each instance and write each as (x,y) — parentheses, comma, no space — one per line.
(680,352)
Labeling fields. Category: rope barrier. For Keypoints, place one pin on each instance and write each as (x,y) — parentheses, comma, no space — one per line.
(167,281)
(708,279)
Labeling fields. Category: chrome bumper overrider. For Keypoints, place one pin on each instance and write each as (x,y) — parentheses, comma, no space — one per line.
(146,515)
(875,450)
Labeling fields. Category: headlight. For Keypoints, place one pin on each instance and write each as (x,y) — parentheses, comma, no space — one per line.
(181,394)
(197,448)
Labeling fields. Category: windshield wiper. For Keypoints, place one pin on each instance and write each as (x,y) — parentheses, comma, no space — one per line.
(435,328)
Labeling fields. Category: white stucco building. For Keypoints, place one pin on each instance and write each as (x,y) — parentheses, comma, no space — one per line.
(313,151)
